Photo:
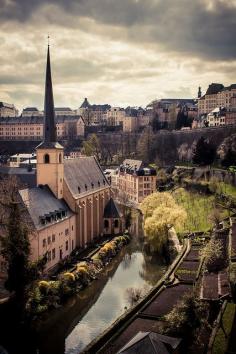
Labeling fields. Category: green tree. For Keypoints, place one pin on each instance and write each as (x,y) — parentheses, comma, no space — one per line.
(204,152)
(92,147)
(161,213)
(15,244)
(155,123)
(16,251)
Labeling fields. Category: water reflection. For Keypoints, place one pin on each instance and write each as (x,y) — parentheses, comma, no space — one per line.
(132,272)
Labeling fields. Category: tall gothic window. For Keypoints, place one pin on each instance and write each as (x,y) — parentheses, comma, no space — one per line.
(59,158)
(46,158)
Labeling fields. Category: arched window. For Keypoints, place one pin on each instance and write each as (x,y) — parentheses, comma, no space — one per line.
(116,223)
(46,158)
(59,158)
(106,223)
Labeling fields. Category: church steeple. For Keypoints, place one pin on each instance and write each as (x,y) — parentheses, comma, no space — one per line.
(49,129)
(50,166)
(49,114)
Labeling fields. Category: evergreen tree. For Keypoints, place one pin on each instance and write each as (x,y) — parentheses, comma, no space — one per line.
(145,146)
(229,158)
(92,146)
(181,120)
(155,123)
(15,244)
(16,251)
(204,152)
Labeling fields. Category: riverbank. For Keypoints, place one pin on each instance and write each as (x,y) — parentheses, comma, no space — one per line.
(101,343)
(47,294)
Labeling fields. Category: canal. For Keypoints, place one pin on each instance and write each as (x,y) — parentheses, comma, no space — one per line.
(68,329)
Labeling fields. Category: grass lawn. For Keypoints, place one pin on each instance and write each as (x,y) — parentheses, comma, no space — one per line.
(227,189)
(221,343)
(199,208)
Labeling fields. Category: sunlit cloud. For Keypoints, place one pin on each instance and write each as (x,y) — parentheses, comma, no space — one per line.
(122,52)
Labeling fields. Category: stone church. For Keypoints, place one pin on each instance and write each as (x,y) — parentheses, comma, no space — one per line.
(71,205)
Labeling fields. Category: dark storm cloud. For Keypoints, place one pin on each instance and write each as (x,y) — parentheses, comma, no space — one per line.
(191,27)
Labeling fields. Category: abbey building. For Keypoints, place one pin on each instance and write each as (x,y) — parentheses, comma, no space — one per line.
(71,205)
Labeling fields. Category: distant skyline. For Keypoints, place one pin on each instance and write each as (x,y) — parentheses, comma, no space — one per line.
(121,52)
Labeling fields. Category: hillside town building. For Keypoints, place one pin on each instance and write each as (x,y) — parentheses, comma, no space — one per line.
(216,117)
(7,110)
(134,181)
(31,127)
(216,96)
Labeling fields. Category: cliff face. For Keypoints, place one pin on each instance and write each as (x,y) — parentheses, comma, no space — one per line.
(168,146)
(205,174)
(176,146)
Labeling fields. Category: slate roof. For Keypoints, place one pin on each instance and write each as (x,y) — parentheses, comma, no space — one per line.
(49,145)
(37,119)
(111,210)
(150,343)
(59,109)
(214,88)
(85,104)
(84,172)
(133,163)
(30,109)
(28,178)
(7,105)
(40,202)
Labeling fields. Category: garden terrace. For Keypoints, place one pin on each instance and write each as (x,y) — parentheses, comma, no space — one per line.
(166,300)
(222,260)
(194,254)
(215,286)
(188,271)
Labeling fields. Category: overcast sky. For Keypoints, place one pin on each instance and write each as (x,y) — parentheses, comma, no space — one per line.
(122,52)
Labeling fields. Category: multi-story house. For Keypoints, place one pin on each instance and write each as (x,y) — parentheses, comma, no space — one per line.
(216,96)
(7,110)
(216,117)
(114,116)
(135,181)
(93,114)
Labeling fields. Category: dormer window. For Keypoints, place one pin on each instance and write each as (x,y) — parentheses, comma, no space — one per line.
(79,189)
(99,183)
(46,158)
(92,185)
(86,187)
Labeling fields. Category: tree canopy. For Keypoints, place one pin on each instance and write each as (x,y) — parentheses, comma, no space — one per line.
(204,152)
(161,213)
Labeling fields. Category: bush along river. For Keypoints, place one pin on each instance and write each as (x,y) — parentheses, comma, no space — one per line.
(68,329)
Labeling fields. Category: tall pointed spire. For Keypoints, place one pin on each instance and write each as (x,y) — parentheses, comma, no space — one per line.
(50,134)
(49,114)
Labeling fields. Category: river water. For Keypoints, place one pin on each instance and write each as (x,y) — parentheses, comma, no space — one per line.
(70,328)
